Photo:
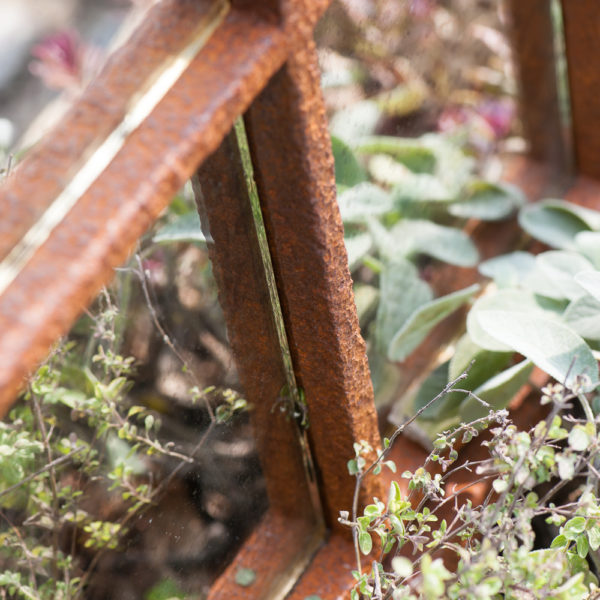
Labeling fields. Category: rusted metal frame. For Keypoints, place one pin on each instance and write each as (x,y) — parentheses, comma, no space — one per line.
(333,370)
(101,229)
(534,55)
(291,531)
(582,40)
(288,135)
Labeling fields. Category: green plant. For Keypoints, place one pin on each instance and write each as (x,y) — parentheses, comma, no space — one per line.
(545,307)
(494,545)
(410,214)
(76,440)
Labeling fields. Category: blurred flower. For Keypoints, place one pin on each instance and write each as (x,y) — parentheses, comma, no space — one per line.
(483,124)
(499,115)
(64,62)
(422,8)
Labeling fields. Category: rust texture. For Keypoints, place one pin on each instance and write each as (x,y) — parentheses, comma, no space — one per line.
(101,230)
(277,552)
(535,61)
(328,576)
(50,164)
(244,297)
(582,39)
(290,145)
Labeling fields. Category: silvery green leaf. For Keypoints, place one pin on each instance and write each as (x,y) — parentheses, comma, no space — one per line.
(579,439)
(357,246)
(509,270)
(362,201)
(498,391)
(588,243)
(590,282)
(402,292)
(513,300)
(487,201)
(411,237)
(583,316)
(557,222)
(414,155)
(184,228)
(355,122)
(551,345)
(560,267)
(424,319)
(348,171)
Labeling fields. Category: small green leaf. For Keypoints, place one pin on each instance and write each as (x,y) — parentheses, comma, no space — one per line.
(245,577)
(574,527)
(402,566)
(365,542)
(594,537)
(579,439)
(582,546)
(424,319)
(353,467)
(184,228)
(348,171)
(560,541)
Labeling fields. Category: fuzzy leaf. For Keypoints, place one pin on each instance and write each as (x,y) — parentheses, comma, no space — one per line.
(402,293)
(348,171)
(590,282)
(497,391)
(552,346)
(355,122)
(448,244)
(362,201)
(357,247)
(512,300)
(560,267)
(509,270)
(365,542)
(556,222)
(408,151)
(424,319)
(487,202)
(583,317)
(184,228)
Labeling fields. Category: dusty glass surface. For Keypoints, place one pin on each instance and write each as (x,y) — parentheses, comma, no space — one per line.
(421,97)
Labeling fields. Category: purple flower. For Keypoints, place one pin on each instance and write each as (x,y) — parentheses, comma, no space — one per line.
(64,62)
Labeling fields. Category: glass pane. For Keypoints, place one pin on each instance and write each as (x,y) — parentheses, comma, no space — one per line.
(421,98)
(139,472)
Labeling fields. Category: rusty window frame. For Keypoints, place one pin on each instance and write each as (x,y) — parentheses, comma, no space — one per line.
(65,228)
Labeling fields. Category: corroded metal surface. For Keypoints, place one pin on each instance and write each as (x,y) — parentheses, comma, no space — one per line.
(156,159)
(535,61)
(294,172)
(277,553)
(582,38)
(244,297)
